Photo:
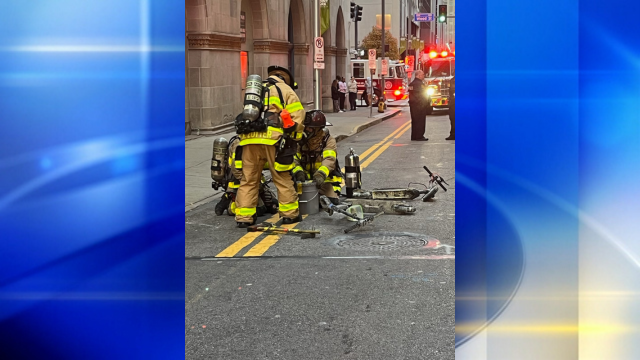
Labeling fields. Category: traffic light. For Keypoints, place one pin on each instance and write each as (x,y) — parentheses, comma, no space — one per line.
(353,10)
(442,14)
(358,13)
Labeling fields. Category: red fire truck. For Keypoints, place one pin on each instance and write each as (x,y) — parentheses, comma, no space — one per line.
(439,69)
(395,82)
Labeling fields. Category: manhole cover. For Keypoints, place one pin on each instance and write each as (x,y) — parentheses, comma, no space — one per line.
(382,241)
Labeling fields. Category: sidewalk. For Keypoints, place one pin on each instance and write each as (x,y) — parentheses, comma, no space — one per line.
(198,149)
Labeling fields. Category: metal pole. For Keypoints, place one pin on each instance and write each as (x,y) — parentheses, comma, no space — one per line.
(355,46)
(317,99)
(382,50)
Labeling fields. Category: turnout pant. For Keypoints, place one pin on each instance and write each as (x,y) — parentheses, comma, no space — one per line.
(253,159)
(327,190)
(418,121)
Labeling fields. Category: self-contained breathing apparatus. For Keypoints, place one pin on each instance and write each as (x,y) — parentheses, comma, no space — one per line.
(255,116)
(219,163)
(223,178)
(353,179)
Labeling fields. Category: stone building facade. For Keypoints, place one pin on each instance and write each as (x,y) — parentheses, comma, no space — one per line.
(227,40)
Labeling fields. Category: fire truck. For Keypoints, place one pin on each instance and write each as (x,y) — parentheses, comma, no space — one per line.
(395,82)
(439,69)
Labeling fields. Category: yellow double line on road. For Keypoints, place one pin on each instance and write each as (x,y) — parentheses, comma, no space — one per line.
(264,245)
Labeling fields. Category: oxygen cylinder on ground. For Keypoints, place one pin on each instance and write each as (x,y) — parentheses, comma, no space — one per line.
(353,178)
(252,98)
(219,160)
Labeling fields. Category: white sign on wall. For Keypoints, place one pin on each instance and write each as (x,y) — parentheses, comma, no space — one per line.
(319,49)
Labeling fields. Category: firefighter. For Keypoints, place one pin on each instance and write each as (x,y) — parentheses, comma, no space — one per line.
(317,157)
(266,202)
(418,103)
(275,146)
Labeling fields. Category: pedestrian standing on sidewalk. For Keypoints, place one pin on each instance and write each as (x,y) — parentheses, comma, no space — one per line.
(342,87)
(418,103)
(353,93)
(335,96)
(365,94)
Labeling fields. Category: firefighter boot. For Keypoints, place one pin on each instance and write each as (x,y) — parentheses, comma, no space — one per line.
(244,225)
(292,220)
(261,210)
(223,204)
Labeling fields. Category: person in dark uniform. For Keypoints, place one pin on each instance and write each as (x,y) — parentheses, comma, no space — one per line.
(418,107)
(452,110)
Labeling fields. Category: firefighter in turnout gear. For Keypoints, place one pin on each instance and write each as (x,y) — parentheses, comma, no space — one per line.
(276,146)
(266,201)
(317,157)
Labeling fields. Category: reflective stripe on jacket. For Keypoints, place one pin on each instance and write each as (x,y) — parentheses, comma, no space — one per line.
(325,161)
(273,104)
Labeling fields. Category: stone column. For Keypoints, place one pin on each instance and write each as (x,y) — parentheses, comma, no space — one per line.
(328,75)
(303,72)
(341,63)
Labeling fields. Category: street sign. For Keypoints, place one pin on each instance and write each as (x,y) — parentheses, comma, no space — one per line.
(318,65)
(422,17)
(372,58)
(385,67)
(319,49)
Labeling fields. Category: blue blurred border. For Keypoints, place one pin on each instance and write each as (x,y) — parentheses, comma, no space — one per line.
(92,185)
(547,171)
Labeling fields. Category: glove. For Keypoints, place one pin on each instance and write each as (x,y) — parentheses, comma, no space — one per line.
(299,176)
(319,177)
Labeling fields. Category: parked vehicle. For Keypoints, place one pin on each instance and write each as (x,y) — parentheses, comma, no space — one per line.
(395,82)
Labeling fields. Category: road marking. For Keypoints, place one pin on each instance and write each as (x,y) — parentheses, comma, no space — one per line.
(371,149)
(244,241)
(404,126)
(264,245)
(382,149)
(268,241)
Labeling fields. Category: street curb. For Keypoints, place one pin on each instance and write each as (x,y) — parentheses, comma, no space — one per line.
(375,121)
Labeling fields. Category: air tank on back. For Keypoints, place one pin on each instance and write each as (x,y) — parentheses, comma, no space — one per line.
(252,98)
(219,160)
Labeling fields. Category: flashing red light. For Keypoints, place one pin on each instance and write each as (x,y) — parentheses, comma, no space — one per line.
(397,92)
(433,54)
(444,53)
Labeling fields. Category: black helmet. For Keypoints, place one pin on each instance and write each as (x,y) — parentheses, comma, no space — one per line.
(315,119)
(284,74)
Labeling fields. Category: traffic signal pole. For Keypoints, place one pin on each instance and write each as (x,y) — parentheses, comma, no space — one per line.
(382,50)
(356,31)
(317,100)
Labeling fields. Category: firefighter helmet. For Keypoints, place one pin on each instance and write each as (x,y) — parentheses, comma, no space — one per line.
(315,119)
(284,74)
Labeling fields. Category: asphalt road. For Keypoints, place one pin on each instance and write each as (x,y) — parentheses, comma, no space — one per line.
(385,291)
